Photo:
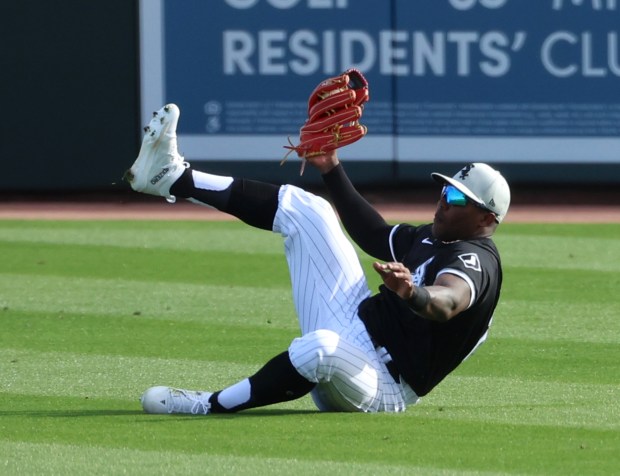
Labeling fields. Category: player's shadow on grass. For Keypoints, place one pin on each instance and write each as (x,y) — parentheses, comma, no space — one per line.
(69,413)
(243,414)
(121,413)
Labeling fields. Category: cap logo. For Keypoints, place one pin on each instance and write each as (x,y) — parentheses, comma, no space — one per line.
(492,203)
(465,171)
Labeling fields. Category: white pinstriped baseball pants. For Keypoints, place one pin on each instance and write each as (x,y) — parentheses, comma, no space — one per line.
(328,282)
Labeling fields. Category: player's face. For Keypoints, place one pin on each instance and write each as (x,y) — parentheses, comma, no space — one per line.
(460,220)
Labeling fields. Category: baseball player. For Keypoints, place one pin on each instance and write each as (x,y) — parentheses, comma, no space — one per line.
(356,351)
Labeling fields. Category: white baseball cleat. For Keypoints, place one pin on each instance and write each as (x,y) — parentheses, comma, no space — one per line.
(175,400)
(159,163)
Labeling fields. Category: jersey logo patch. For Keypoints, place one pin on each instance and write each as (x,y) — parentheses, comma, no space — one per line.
(471,261)
(420,272)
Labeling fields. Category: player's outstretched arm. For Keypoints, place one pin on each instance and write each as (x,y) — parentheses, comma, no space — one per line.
(363,223)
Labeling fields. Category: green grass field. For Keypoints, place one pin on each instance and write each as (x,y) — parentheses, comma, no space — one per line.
(94,312)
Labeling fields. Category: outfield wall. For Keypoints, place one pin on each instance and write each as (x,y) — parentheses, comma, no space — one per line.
(529,85)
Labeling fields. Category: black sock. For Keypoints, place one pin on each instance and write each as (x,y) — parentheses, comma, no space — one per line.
(278,381)
(256,203)
(253,202)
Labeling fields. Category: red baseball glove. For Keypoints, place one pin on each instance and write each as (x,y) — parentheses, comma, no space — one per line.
(334,109)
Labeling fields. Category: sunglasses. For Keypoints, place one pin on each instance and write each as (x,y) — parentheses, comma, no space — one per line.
(454,196)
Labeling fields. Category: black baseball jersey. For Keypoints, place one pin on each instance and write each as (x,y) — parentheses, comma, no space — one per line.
(425,351)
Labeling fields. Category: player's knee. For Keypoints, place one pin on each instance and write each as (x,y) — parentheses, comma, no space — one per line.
(347,381)
(312,354)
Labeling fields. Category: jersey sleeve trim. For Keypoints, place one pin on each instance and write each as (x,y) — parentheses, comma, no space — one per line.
(466,278)
(391,239)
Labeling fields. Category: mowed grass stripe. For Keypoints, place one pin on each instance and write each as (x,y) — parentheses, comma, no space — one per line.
(218,236)
(517,400)
(548,284)
(407,439)
(40,458)
(168,338)
(549,320)
(524,401)
(558,251)
(130,336)
(519,318)
(71,374)
(59,295)
(576,362)
(155,265)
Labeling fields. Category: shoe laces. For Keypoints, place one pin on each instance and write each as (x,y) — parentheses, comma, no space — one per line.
(180,399)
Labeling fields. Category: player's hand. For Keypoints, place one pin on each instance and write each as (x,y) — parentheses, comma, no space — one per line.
(325,162)
(397,277)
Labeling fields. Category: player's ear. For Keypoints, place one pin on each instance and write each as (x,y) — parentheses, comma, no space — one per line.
(488,219)
(491,219)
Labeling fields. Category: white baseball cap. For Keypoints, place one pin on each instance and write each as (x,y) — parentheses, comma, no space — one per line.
(483,185)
